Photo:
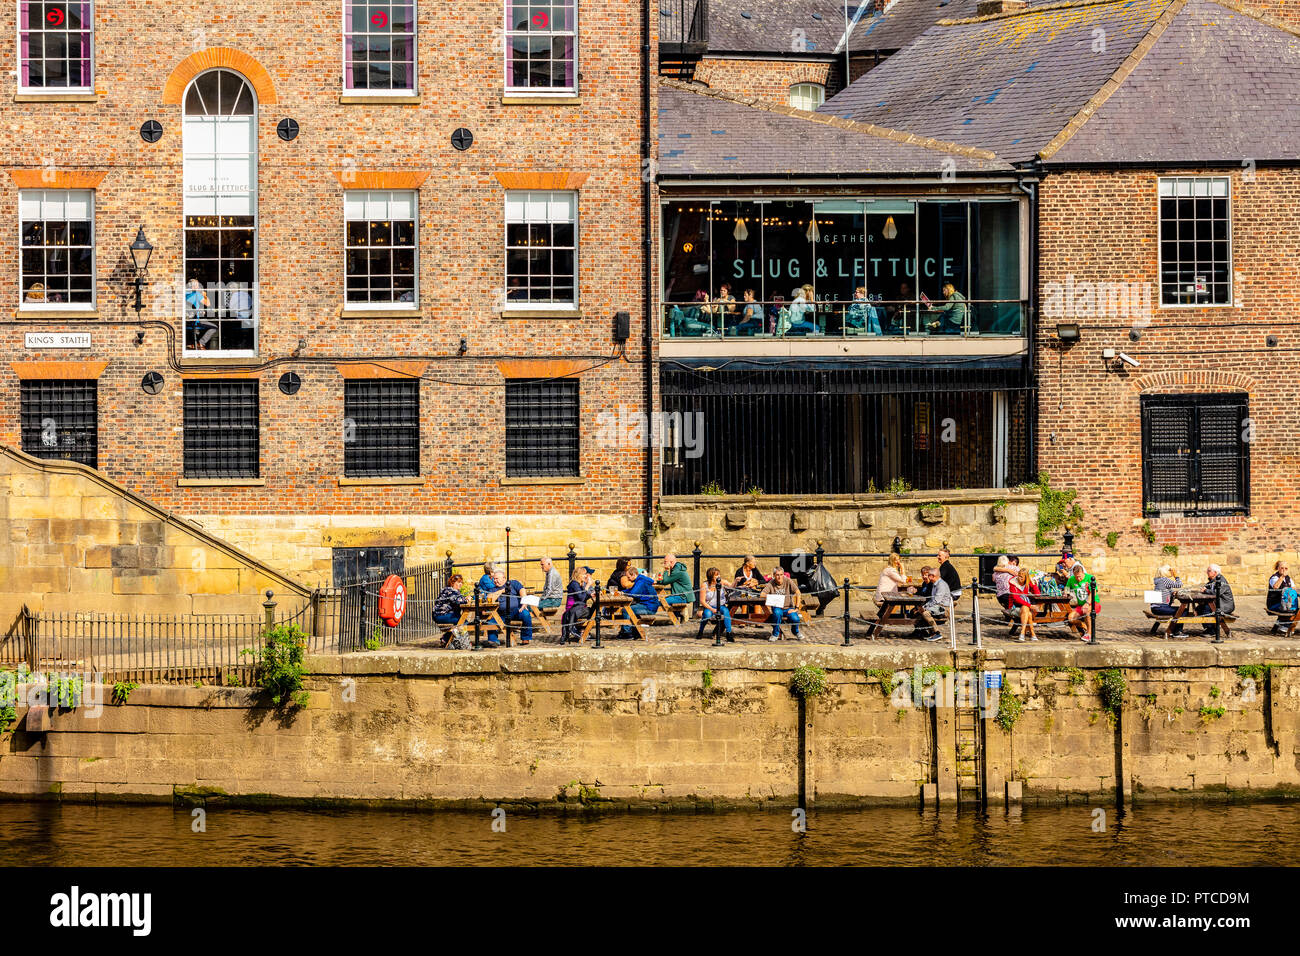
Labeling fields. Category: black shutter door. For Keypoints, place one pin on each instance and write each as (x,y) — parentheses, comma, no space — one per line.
(1220,460)
(1169,459)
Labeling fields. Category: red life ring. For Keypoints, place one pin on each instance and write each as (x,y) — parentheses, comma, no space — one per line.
(392,601)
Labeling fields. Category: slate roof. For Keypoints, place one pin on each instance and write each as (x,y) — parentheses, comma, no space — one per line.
(1006,83)
(1217,84)
(904,21)
(769,27)
(708,132)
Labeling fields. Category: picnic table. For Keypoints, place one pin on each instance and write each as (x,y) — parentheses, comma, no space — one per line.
(674,615)
(1289,619)
(896,608)
(1046,609)
(1186,613)
(486,612)
(620,608)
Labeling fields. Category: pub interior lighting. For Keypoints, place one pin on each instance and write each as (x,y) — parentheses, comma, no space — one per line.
(890,230)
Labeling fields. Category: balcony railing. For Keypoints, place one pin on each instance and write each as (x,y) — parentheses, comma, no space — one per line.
(875,318)
(683,21)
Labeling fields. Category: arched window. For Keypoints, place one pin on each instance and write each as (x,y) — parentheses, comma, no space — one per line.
(220,146)
(807,96)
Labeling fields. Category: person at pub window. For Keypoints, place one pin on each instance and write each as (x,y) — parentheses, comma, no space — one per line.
(197,304)
(899,311)
(952,318)
(862,315)
(751,316)
(725,303)
(802,312)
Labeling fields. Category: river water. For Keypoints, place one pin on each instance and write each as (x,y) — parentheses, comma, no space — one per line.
(1163,835)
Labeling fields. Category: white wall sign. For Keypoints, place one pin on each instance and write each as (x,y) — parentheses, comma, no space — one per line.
(57,340)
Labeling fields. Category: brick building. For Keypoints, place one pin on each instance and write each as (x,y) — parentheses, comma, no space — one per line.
(389,250)
(1156,142)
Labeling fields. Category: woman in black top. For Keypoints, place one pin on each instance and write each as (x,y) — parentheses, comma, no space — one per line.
(620,568)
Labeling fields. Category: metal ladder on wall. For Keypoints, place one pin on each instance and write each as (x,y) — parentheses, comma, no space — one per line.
(970,755)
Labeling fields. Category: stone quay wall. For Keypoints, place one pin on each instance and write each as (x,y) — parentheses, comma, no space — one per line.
(685,729)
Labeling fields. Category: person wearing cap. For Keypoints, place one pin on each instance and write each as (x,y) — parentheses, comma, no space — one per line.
(577,607)
(552,589)
(784,586)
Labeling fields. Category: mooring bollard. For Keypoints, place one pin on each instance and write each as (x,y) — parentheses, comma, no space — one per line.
(848,642)
(718,627)
(573,561)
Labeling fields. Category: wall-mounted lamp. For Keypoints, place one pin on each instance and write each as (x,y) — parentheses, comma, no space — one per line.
(139,337)
(141,253)
(1067,332)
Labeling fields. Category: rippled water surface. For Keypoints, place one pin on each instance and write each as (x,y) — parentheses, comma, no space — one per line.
(1166,835)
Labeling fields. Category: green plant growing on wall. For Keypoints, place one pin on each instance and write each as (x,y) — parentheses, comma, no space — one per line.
(888,680)
(755,492)
(900,715)
(1056,508)
(1009,709)
(230,679)
(1215,692)
(1209,714)
(898,486)
(713,489)
(281,669)
(1075,674)
(376,640)
(1256,672)
(122,691)
(706,681)
(1170,549)
(8,700)
(1111,688)
(1147,532)
(1112,539)
(808,680)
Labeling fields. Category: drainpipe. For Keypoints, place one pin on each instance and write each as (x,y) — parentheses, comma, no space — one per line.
(647,275)
(1028,184)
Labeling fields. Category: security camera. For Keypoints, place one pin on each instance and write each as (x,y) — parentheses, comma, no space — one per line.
(1129,360)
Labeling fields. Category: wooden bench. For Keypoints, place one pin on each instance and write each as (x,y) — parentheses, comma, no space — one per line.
(1289,618)
(1164,623)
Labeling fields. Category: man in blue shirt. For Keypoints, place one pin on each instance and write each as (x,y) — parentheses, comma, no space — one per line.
(641,589)
(510,606)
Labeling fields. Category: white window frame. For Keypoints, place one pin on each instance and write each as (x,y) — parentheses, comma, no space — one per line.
(414,89)
(790,94)
(414,304)
(88,87)
(47,306)
(1160,256)
(547,91)
(255,291)
(517,305)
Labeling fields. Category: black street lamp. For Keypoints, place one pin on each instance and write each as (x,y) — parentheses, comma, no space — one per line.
(141,252)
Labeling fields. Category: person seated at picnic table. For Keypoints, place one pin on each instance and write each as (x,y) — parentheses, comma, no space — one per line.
(926,624)
(485,583)
(862,315)
(1004,572)
(446,607)
(949,573)
(645,600)
(676,575)
(1083,601)
(714,598)
(1216,598)
(1166,582)
(784,586)
(1018,592)
(577,606)
(615,579)
(552,588)
(892,579)
(748,572)
(510,606)
(1278,582)
(751,316)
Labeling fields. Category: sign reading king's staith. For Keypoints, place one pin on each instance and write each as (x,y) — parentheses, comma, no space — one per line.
(57,340)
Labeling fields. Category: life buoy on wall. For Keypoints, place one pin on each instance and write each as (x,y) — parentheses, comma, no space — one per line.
(392,601)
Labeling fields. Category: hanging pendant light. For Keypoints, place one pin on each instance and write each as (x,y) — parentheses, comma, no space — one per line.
(741,232)
(891,231)
(812,233)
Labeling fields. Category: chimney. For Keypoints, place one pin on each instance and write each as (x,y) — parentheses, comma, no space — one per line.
(991,8)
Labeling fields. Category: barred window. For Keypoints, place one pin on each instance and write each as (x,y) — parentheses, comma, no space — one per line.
(381,428)
(221,429)
(54,45)
(361,564)
(60,419)
(541,46)
(541,248)
(541,428)
(379,46)
(1196,454)
(1195,241)
(380,248)
(58,248)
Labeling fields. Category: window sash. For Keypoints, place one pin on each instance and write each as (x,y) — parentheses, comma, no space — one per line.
(371,275)
(535,40)
(59,419)
(221,429)
(34,28)
(1194,233)
(807,96)
(367,41)
(66,268)
(536,249)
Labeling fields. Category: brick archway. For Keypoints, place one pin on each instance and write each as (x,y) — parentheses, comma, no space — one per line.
(1201,379)
(211,58)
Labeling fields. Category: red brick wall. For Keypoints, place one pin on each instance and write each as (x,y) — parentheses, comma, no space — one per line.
(1102,226)
(461,260)
(767,79)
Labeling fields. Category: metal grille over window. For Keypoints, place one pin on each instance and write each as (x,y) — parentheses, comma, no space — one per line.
(1195,241)
(58,249)
(54,45)
(381,428)
(221,429)
(60,419)
(381,248)
(1195,454)
(379,46)
(541,248)
(541,429)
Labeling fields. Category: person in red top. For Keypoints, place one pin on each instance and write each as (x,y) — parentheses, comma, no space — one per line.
(1021,587)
